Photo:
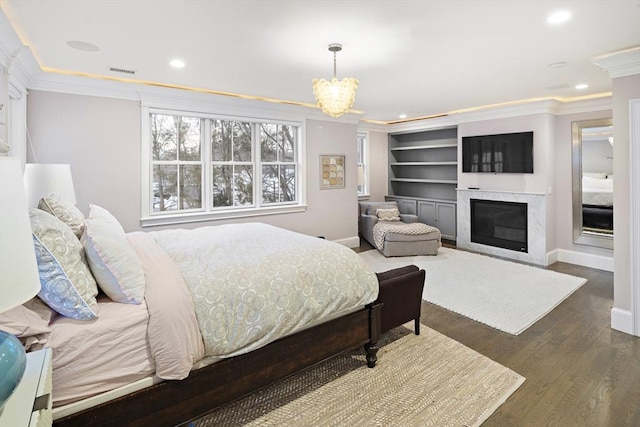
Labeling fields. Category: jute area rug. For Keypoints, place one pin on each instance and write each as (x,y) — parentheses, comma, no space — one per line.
(425,380)
(505,295)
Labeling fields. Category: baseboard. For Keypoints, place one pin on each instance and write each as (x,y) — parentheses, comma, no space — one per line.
(622,320)
(552,257)
(586,260)
(350,242)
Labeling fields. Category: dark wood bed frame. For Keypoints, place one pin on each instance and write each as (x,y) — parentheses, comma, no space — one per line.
(177,402)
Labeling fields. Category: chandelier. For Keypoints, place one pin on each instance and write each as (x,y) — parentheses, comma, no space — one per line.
(334,96)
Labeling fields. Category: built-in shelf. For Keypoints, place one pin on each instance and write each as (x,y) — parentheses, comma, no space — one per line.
(426,181)
(423,172)
(424,147)
(424,164)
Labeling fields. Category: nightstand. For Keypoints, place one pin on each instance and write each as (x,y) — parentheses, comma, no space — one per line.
(30,404)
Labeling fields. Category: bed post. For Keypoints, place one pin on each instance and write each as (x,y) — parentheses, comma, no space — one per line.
(375,321)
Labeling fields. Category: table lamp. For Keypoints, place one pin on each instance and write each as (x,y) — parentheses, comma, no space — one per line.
(42,179)
(19,280)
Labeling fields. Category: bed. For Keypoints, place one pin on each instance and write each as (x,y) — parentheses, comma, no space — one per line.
(219,312)
(597,201)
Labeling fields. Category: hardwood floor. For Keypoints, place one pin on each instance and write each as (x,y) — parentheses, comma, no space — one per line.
(579,371)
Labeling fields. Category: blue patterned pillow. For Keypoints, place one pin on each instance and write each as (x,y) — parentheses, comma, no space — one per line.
(66,284)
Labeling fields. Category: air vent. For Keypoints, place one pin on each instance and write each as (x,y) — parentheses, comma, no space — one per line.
(121,70)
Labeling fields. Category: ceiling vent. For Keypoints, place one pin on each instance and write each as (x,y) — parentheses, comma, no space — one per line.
(121,70)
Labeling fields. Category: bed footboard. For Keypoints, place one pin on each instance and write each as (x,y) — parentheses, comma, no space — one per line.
(177,402)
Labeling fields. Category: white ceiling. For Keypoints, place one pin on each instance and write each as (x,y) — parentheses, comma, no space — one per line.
(420,58)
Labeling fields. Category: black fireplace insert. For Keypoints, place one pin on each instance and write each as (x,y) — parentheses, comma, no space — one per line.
(500,224)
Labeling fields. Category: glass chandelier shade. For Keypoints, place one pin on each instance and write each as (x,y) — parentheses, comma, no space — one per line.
(334,96)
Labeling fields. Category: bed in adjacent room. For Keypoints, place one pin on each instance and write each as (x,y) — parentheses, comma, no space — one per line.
(597,201)
(168,325)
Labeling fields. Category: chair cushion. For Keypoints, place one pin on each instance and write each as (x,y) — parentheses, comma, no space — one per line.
(396,237)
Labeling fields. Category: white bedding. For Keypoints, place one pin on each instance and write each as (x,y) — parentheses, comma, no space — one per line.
(91,357)
(250,284)
(596,191)
(253,283)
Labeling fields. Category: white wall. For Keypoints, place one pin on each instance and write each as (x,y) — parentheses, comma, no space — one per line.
(624,89)
(378,166)
(597,156)
(100,138)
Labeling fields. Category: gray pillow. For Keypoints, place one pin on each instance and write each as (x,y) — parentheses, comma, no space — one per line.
(66,284)
(65,211)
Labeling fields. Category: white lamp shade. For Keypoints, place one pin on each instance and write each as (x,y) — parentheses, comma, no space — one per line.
(42,179)
(360,175)
(19,281)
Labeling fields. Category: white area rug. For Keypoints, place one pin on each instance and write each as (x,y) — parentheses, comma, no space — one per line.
(502,294)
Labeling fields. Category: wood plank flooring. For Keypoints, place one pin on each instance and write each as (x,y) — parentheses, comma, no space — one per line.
(579,371)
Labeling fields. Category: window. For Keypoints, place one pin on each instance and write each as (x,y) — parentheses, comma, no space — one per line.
(203,167)
(363,186)
(177,163)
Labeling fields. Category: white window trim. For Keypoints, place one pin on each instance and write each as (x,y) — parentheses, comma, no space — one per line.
(367,183)
(148,219)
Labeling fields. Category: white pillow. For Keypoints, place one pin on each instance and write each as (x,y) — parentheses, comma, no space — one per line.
(114,264)
(596,175)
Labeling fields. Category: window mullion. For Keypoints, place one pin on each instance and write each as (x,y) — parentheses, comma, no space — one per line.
(206,158)
(256,158)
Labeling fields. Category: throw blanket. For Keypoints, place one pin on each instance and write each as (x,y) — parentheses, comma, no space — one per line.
(253,283)
(382,228)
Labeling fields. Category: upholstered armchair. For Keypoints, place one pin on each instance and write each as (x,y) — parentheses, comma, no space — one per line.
(368,218)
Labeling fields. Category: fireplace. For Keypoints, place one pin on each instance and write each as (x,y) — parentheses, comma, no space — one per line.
(500,224)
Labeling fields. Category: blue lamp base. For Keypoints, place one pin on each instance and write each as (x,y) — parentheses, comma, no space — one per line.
(13,361)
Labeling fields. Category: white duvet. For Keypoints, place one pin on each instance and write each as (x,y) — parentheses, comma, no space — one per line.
(597,191)
(254,283)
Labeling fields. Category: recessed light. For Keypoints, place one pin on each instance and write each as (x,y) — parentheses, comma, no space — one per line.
(84,46)
(402,116)
(177,63)
(559,17)
(582,86)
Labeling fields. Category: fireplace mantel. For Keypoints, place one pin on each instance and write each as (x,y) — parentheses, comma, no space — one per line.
(498,191)
(536,223)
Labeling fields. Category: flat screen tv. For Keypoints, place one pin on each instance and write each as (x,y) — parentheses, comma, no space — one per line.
(504,153)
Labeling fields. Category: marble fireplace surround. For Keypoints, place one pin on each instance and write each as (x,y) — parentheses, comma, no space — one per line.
(536,224)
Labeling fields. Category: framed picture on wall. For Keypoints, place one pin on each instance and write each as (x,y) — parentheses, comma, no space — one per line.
(332,171)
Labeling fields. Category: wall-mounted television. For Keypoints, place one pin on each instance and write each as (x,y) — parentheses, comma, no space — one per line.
(504,153)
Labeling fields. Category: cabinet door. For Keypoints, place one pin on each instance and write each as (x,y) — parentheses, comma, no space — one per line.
(427,213)
(405,206)
(446,220)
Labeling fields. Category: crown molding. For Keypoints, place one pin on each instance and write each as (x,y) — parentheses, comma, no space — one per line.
(425,124)
(163,97)
(16,59)
(372,127)
(585,106)
(518,109)
(350,118)
(622,63)
(10,43)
